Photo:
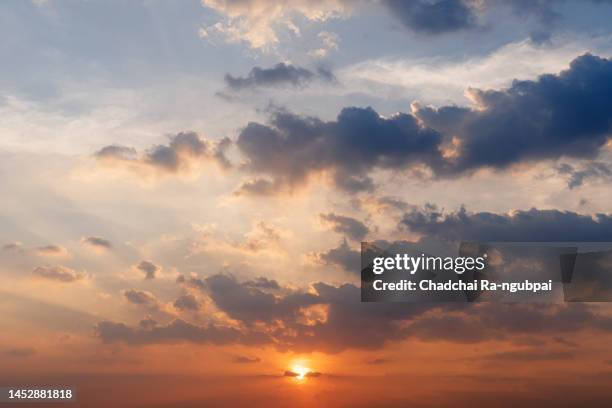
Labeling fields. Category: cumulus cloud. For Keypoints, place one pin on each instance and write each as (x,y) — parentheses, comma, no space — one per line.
(521,225)
(346,323)
(58,273)
(258,187)
(350,227)
(183,153)
(141,297)
(149,269)
(279,75)
(187,302)
(564,115)
(257,22)
(434,17)
(342,256)
(192,282)
(263,283)
(96,243)
(243,302)
(292,147)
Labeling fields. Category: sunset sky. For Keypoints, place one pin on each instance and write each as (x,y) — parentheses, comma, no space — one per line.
(184,186)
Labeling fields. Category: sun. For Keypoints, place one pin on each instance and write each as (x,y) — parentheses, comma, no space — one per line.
(300,370)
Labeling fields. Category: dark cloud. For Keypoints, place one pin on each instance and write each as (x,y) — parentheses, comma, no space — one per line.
(58,273)
(592,170)
(183,151)
(187,302)
(246,360)
(117,152)
(526,226)
(140,297)
(258,187)
(564,115)
(191,282)
(377,361)
(347,323)
(352,228)
(20,352)
(555,116)
(176,331)
(263,283)
(342,256)
(280,75)
(96,242)
(433,17)
(248,304)
(148,268)
(292,148)
(522,356)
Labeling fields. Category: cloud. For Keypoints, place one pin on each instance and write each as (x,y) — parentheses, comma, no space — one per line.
(593,170)
(96,243)
(522,225)
(183,153)
(292,147)
(176,331)
(564,115)
(347,323)
(329,43)
(51,250)
(191,282)
(58,273)
(12,246)
(243,302)
(20,352)
(149,269)
(263,283)
(257,187)
(522,356)
(377,361)
(280,75)
(342,256)
(262,236)
(433,17)
(246,360)
(258,22)
(187,302)
(352,228)
(140,297)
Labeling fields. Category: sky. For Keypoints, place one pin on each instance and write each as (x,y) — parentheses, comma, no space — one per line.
(184,186)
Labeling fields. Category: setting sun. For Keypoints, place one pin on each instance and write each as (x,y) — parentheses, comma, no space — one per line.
(300,370)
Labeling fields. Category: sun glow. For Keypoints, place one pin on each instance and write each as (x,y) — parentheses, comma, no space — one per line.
(300,370)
